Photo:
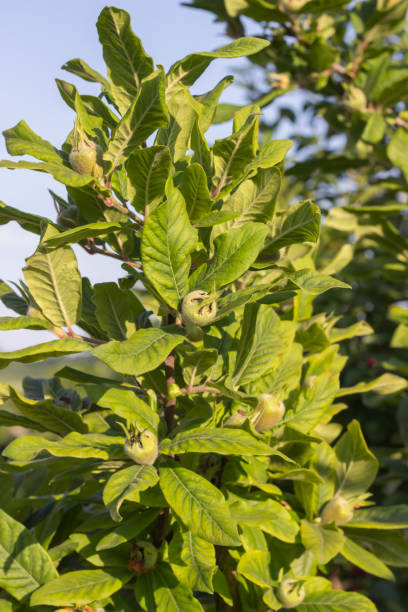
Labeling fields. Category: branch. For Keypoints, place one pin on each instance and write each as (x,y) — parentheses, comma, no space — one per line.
(200,389)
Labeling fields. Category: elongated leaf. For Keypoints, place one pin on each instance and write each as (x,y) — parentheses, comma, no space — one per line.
(124,55)
(322,540)
(301,225)
(167,241)
(61,173)
(24,564)
(188,70)
(55,348)
(255,198)
(147,349)
(28,221)
(389,546)
(55,283)
(383,385)
(92,104)
(388,517)
(54,418)
(356,467)
(71,236)
(232,154)
(192,560)
(147,173)
(9,323)
(209,101)
(235,251)
(225,441)
(80,588)
(169,594)
(147,113)
(200,505)
(264,339)
(80,446)
(116,310)
(320,597)
(195,190)
(123,484)
(10,419)
(254,565)
(130,407)
(268,515)
(128,530)
(234,300)
(315,283)
(21,140)
(81,69)
(366,560)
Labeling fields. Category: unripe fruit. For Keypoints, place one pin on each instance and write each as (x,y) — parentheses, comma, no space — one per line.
(194,333)
(291,593)
(83,158)
(67,216)
(149,554)
(268,412)
(339,510)
(294,5)
(194,312)
(173,391)
(236,418)
(142,449)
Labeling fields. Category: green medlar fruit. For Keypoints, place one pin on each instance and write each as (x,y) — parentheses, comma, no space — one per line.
(268,412)
(196,310)
(142,448)
(339,509)
(291,593)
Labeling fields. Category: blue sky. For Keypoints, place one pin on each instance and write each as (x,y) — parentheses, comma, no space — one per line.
(37,38)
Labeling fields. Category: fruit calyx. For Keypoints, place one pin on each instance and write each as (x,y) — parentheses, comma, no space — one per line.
(291,593)
(198,309)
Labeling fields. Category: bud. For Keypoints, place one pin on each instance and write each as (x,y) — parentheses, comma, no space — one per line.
(236,418)
(339,510)
(195,312)
(86,156)
(268,412)
(291,593)
(173,391)
(194,333)
(142,448)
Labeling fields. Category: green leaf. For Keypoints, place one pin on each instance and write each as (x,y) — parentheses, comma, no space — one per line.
(167,241)
(396,150)
(302,224)
(29,222)
(116,310)
(122,485)
(235,251)
(263,341)
(147,173)
(124,55)
(225,441)
(321,598)
(234,300)
(200,505)
(365,560)
(147,113)
(195,191)
(192,560)
(80,588)
(55,348)
(12,323)
(270,516)
(81,69)
(93,105)
(255,198)
(232,154)
(209,102)
(24,563)
(91,230)
(324,541)
(388,517)
(169,595)
(79,446)
(356,466)
(128,530)
(147,349)
(56,419)
(21,140)
(383,385)
(184,112)
(188,70)
(55,283)
(389,546)
(271,154)
(315,283)
(254,565)
(374,129)
(128,406)
(61,173)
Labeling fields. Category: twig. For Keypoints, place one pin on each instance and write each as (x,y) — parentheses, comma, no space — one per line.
(200,389)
